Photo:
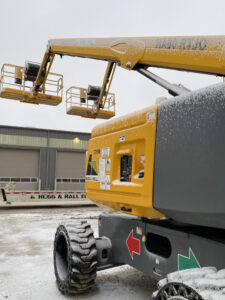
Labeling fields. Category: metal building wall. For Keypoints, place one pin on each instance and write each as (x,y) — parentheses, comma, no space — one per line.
(70,170)
(21,166)
(48,143)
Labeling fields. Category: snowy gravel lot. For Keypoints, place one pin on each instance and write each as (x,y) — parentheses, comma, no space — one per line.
(26,263)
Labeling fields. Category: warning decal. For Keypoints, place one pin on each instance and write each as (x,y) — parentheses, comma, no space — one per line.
(101,169)
(108,164)
(104,179)
(105,183)
(105,152)
(92,170)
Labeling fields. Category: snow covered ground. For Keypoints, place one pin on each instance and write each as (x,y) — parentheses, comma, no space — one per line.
(26,260)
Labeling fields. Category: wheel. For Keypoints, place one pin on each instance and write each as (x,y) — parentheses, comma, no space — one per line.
(177,291)
(75,257)
(193,284)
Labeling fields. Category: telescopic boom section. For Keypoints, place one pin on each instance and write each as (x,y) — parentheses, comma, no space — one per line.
(203,54)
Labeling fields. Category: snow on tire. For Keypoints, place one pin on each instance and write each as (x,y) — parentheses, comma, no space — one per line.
(75,257)
(193,284)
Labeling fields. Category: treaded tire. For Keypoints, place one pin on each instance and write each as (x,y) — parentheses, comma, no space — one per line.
(192,284)
(177,291)
(75,257)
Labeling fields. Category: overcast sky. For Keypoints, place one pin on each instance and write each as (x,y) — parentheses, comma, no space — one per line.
(27,25)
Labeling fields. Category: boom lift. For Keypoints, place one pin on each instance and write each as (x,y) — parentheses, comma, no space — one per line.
(162,168)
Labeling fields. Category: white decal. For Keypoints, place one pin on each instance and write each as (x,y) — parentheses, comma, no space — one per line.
(143,160)
(105,184)
(85,42)
(105,152)
(139,230)
(150,116)
(91,178)
(101,169)
(122,138)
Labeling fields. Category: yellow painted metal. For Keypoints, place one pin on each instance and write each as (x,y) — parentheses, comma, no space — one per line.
(87,113)
(18,73)
(22,90)
(133,135)
(83,93)
(47,73)
(109,85)
(194,53)
(204,54)
(39,82)
(26,97)
(77,104)
(105,83)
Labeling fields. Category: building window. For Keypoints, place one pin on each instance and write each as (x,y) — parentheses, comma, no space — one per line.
(5,179)
(18,179)
(33,180)
(15,179)
(25,179)
(75,180)
(66,180)
(70,180)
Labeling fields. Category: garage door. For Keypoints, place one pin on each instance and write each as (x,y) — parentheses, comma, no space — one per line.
(21,167)
(70,171)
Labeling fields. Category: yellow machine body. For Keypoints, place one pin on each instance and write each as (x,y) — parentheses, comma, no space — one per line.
(129,136)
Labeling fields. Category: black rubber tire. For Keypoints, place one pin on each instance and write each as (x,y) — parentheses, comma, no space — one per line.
(177,291)
(75,257)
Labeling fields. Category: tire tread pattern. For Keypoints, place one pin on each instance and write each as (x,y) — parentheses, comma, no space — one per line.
(82,257)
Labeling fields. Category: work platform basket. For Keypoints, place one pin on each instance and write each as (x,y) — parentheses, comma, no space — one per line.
(79,103)
(15,85)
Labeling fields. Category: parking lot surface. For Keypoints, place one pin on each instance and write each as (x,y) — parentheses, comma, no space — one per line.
(26,259)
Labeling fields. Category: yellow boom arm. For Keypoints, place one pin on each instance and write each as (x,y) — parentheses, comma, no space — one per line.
(198,53)
(203,54)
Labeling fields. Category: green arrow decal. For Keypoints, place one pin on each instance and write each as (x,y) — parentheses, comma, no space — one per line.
(185,262)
